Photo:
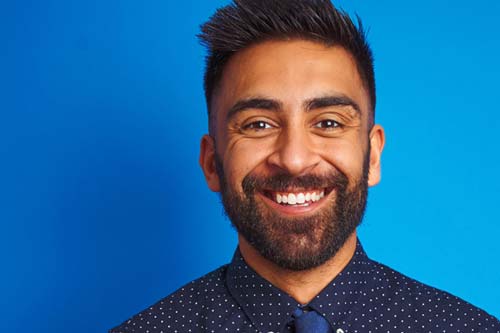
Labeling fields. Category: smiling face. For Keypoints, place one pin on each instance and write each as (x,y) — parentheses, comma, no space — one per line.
(294,150)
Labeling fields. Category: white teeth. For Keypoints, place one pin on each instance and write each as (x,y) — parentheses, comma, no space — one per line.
(301,198)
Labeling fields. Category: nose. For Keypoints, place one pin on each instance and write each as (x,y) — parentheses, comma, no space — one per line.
(295,152)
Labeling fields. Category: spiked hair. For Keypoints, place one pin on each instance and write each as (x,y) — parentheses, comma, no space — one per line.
(247,22)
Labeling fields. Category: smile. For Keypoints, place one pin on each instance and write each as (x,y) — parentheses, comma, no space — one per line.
(298,198)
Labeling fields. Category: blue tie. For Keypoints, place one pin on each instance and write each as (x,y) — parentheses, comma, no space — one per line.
(309,321)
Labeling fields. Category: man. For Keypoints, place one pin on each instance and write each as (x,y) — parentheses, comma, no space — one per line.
(293,147)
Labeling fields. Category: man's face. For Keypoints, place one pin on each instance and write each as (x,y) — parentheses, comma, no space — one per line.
(293,152)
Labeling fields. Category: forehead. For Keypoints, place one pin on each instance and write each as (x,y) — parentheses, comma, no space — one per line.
(290,71)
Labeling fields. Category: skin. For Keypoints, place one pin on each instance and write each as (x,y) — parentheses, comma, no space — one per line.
(292,135)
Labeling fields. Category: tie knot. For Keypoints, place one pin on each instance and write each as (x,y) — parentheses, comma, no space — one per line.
(310,321)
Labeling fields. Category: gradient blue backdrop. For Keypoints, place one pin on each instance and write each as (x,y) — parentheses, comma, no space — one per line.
(104,209)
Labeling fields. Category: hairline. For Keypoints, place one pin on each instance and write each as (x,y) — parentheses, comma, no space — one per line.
(287,38)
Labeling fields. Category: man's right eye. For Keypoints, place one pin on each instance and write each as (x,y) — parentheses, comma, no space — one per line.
(257,125)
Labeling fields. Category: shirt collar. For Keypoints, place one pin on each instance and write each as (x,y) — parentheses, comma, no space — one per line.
(267,307)
(336,301)
(258,298)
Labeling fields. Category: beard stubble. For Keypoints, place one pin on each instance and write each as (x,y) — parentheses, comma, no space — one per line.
(296,243)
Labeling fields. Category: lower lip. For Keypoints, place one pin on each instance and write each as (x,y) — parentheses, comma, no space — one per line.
(294,210)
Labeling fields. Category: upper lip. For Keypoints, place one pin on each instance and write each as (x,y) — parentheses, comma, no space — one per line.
(298,190)
(308,193)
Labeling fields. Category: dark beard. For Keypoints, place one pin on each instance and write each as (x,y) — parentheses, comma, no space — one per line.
(296,243)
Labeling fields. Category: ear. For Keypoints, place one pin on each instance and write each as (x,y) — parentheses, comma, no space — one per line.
(377,141)
(207,162)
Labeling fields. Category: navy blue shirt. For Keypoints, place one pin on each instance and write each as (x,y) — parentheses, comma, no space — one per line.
(365,297)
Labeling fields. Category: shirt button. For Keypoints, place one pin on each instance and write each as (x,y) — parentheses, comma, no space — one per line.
(339,330)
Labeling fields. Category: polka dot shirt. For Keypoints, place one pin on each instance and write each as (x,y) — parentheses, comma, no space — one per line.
(365,297)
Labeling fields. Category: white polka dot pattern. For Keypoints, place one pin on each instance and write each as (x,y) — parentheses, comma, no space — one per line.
(365,297)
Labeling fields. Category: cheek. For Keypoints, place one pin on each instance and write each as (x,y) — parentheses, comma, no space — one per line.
(346,156)
(244,157)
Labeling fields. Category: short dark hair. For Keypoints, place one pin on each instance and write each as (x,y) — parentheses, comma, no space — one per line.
(246,22)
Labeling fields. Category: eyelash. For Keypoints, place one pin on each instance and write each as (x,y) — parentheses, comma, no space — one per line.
(255,125)
(333,124)
(260,125)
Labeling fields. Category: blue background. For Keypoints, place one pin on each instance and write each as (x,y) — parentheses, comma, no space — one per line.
(104,209)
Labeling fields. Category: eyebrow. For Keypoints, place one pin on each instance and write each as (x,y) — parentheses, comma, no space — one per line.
(309,105)
(331,100)
(254,103)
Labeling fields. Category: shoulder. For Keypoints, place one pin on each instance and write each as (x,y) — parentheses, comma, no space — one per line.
(428,308)
(185,308)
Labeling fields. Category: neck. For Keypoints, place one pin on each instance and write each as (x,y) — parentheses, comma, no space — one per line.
(303,286)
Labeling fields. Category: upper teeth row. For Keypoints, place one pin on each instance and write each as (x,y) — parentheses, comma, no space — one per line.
(299,198)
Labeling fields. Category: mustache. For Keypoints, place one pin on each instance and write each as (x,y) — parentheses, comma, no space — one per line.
(283,182)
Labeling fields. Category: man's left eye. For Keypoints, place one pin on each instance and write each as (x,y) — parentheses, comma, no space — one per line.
(328,123)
